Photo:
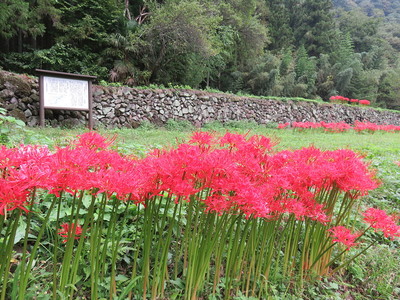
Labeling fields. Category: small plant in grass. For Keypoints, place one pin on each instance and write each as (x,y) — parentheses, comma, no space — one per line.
(375,273)
(8,126)
(221,216)
(179,125)
(147,125)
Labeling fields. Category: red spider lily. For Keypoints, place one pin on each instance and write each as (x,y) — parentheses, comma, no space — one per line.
(311,167)
(380,221)
(94,141)
(306,125)
(246,176)
(397,163)
(12,196)
(341,126)
(331,127)
(344,236)
(367,126)
(7,158)
(352,101)
(335,127)
(202,138)
(283,125)
(340,98)
(233,174)
(233,140)
(69,229)
(364,102)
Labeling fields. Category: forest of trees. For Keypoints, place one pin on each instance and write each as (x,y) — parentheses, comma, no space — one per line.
(291,48)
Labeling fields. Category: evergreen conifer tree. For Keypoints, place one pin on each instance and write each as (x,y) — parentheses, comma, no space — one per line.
(315,27)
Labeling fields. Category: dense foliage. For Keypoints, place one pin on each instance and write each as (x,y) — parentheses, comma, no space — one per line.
(293,48)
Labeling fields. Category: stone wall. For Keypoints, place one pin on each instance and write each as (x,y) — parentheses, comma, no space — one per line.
(128,107)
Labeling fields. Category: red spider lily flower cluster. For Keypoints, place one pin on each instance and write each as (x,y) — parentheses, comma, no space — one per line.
(236,172)
(364,102)
(341,126)
(381,221)
(330,127)
(339,98)
(348,100)
(70,229)
(228,174)
(372,127)
(344,236)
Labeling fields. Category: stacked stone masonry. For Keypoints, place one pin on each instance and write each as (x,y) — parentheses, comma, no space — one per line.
(128,107)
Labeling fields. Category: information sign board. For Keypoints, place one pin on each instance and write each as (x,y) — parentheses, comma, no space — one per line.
(67,91)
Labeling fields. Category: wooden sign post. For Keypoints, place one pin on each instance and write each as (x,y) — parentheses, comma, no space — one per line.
(59,90)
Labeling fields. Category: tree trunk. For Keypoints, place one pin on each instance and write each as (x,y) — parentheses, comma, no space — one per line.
(127,13)
(19,40)
(34,42)
(4,45)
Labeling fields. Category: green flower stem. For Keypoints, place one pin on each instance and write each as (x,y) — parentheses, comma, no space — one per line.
(96,244)
(89,218)
(201,247)
(236,246)
(251,254)
(27,230)
(282,235)
(187,232)
(268,231)
(164,240)
(137,242)
(2,222)
(25,277)
(6,251)
(55,251)
(220,247)
(147,240)
(288,256)
(115,242)
(66,265)
(350,259)
(178,246)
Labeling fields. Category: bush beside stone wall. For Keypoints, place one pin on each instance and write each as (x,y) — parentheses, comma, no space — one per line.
(128,107)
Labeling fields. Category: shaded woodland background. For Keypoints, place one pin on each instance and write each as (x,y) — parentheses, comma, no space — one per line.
(292,48)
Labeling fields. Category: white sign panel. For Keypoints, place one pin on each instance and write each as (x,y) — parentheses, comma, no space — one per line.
(65,93)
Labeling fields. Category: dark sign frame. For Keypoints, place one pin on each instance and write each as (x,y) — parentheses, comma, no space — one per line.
(62,75)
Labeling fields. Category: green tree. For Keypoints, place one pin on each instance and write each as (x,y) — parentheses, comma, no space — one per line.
(244,28)
(361,28)
(389,89)
(315,27)
(343,53)
(89,22)
(13,23)
(281,33)
(175,30)
(22,22)
(262,79)
(306,71)
(325,77)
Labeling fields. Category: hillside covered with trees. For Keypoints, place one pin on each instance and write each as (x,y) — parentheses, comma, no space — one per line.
(292,48)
